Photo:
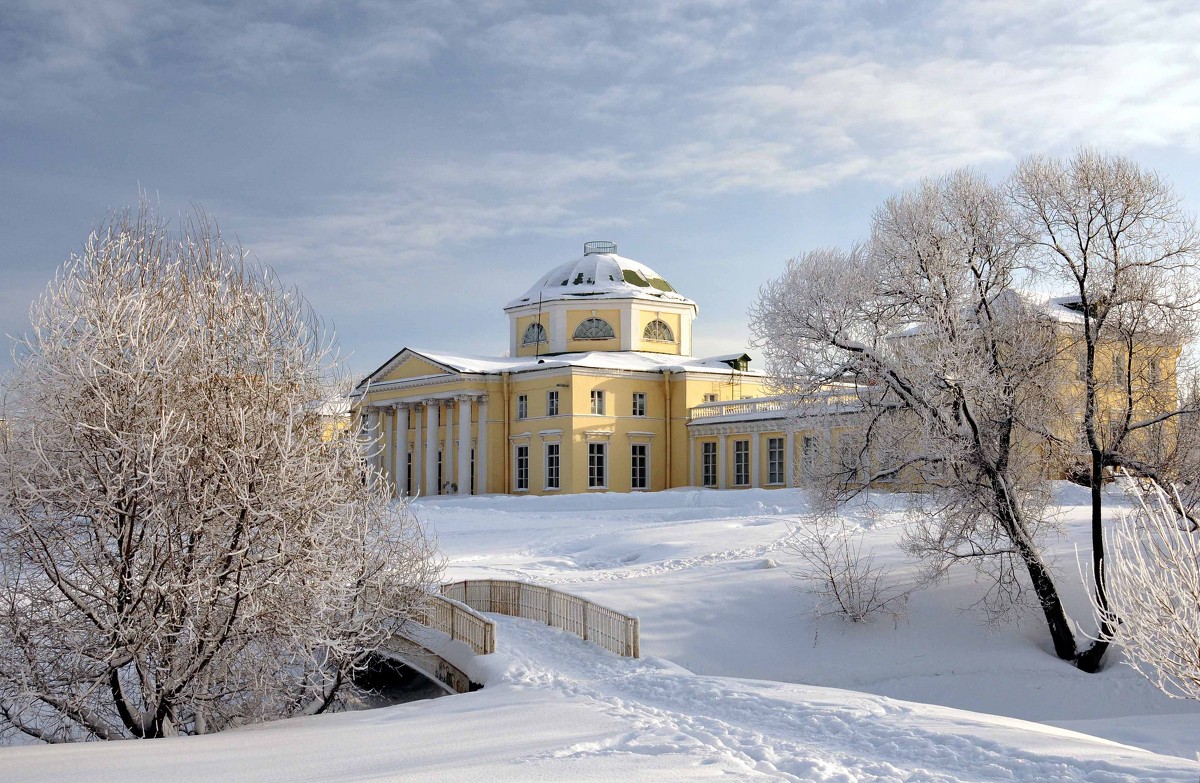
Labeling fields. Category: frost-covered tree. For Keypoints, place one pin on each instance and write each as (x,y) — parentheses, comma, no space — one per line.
(972,391)
(184,546)
(1117,236)
(1153,600)
(953,376)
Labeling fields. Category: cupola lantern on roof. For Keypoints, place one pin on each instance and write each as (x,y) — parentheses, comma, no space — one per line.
(600,302)
(599,246)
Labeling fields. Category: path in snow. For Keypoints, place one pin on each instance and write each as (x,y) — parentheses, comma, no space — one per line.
(772,731)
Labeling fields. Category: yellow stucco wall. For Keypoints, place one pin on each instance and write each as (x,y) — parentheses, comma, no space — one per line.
(644,317)
(533,349)
(413,368)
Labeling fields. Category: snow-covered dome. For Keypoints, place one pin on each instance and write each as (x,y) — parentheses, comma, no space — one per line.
(600,274)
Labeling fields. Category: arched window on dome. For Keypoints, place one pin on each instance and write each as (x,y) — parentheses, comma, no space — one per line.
(594,329)
(658,331)
(535,333)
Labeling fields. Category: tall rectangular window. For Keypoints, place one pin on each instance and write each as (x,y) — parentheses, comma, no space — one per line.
(522,406)
(639,462)
(774,460)
(598,402)
(439,471)
(741,463)
(639,403)
(552,468)
(708,464)
(597,465)
(521,466)
(808,456)
(552,402)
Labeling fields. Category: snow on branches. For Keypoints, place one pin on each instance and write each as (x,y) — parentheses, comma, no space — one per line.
(185,545)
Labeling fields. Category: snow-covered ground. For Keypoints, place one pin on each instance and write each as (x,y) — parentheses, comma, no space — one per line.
(737,677)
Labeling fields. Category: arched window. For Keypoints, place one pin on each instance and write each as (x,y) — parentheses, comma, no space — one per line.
(594,329)
(659,332)
(534,333)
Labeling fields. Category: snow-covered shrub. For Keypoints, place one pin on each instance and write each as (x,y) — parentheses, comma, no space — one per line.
(845,580)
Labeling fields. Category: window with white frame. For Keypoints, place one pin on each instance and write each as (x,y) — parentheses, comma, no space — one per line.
(639,403)
(535,333)
(639,464)
(598,402)
(708,464)
(597,465)
(775,460)
(808,456)
(594,329)
(521,468)
(741,463)
(552,466)
(522,406)
(710,397)
(552,402)
(658,331)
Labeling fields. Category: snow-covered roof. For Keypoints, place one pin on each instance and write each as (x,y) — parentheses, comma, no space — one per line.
(337,405)
(1064,309)
(600,276)
(1061,309)
(600,360)
(629,361)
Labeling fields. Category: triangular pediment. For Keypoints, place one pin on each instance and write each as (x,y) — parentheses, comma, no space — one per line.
(408,365)
(414,366)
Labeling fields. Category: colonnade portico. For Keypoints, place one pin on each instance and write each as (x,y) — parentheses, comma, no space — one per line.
(413,468)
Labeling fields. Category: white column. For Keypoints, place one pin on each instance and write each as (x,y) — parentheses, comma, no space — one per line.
(431,427)
(402,487)
(722,482)
(481,449)
(691,459)
(755,480)
(464,445)
(386,451)
(627,329)
(373,442)
(789,459)
(418,470)
(558,330)
(448,449)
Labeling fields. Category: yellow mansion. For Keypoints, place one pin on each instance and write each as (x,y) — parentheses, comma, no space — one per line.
(600,392)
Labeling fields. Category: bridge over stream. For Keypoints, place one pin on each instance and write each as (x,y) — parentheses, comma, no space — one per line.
(454,628)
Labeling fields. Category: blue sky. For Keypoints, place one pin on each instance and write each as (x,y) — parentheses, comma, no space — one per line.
(413,166)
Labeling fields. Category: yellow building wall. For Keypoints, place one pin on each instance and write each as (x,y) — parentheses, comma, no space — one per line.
(644,317)
(618,427)
(533,349)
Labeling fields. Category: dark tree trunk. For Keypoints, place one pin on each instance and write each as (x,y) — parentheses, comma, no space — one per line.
(1042,581)
(1090,659)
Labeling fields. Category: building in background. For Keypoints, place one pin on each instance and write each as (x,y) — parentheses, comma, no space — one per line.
(600,392)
